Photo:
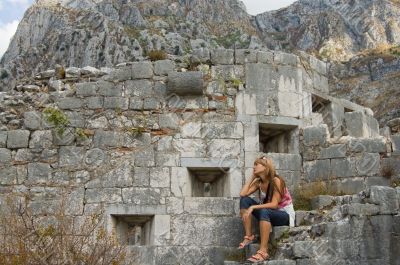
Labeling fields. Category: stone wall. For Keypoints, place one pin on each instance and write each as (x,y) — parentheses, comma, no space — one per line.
(165,149)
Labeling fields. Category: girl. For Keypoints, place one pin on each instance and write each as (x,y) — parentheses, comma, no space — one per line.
(274,209)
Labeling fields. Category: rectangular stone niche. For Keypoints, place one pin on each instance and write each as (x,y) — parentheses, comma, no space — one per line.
(209,182)
(278,138)
(134,230)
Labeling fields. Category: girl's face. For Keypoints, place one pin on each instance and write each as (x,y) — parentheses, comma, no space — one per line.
(258,169)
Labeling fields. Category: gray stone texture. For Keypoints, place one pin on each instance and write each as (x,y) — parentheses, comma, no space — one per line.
(142,70)
(317,135)
(108,89)
(396,143)
(17,139)
(5,156)
(116,103)
(222,56)
(70,103)
(163,67)
(39,173)
(33,120)
(317,170)
(385,197)
(86,89)
(373,145)
(185,83)
(41,139)
(3,138)
(359,124)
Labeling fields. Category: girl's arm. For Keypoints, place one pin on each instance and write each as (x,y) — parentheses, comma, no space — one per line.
(276,198)
(250,187)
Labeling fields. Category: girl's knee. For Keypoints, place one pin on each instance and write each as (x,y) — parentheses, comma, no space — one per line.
(245,202)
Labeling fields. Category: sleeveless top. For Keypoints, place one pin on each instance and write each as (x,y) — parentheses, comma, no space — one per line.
(286,204)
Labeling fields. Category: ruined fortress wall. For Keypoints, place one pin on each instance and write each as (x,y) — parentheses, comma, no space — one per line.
(168,150)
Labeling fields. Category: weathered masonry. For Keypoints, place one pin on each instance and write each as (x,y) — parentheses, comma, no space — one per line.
(164,151)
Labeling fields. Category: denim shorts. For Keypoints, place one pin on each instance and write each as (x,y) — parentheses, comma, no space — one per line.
(274,216)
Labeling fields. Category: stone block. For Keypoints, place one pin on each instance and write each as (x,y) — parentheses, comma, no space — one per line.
(66,138)
(169,120)
(348,185)
(308,249)
(41,139)
(282,161)
(120,74)
(142,70)
(265,57)
(367,164)
(119,177)
(33,120)
(167,159)
(385,197)
(317,170)
(5,156)
(223,148)
(74,202)
(372,145)
(209,206)
(162,230)
(286,58)
(136,103)
(164,67)
(191,130)
(190,147)
(208,231)
(333,151)
(144,157)
(132,209)
(208,162)
(160,177)
(103,195)
(396,143)
(376,181)
(86,89)
(174,205)
(243,56)
(320,82)
(107,139)
(358,209)
(222,56)
(109,89)
(71,156)
(200,55)
(232,130)
(142,196)
(180,182)
(228,73)
(116,103)
(70,103)
(316,135)
(39,173)
(94,102)
(151,103)
(3,138)
(8,175)
(334,117)
(141,177)
(18,139)
(139,88)
(321,201)
(360,125)
(342,168)
(185,83)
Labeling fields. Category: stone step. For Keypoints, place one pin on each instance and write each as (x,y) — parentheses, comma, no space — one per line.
(270,262)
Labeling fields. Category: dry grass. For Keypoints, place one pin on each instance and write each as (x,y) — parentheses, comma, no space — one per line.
(304,194)
(156,55)
(28,239)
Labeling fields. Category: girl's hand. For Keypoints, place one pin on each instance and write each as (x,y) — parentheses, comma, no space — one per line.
(247,214)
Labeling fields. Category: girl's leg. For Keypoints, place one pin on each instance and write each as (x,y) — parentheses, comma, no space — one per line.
(245,203)
(265,229)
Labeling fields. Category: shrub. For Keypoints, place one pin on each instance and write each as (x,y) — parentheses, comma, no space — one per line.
(28,239)
(56,118)
(156,55)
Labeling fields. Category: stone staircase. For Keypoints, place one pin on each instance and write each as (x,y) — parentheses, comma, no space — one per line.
(350,229)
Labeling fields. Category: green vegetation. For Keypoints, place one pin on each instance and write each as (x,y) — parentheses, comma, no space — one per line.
(56,118)
(236,82)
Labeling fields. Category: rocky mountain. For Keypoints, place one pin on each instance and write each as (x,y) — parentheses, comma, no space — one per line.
(333,29)
(107,32)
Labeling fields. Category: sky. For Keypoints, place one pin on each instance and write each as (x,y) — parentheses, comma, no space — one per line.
(12,11)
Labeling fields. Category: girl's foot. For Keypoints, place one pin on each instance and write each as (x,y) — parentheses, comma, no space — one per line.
(247,241)
(259,257)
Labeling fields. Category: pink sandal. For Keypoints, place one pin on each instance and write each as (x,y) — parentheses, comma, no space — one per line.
(260,256)
(247,241)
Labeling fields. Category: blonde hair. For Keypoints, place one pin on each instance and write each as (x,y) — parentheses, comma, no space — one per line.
(270,173)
